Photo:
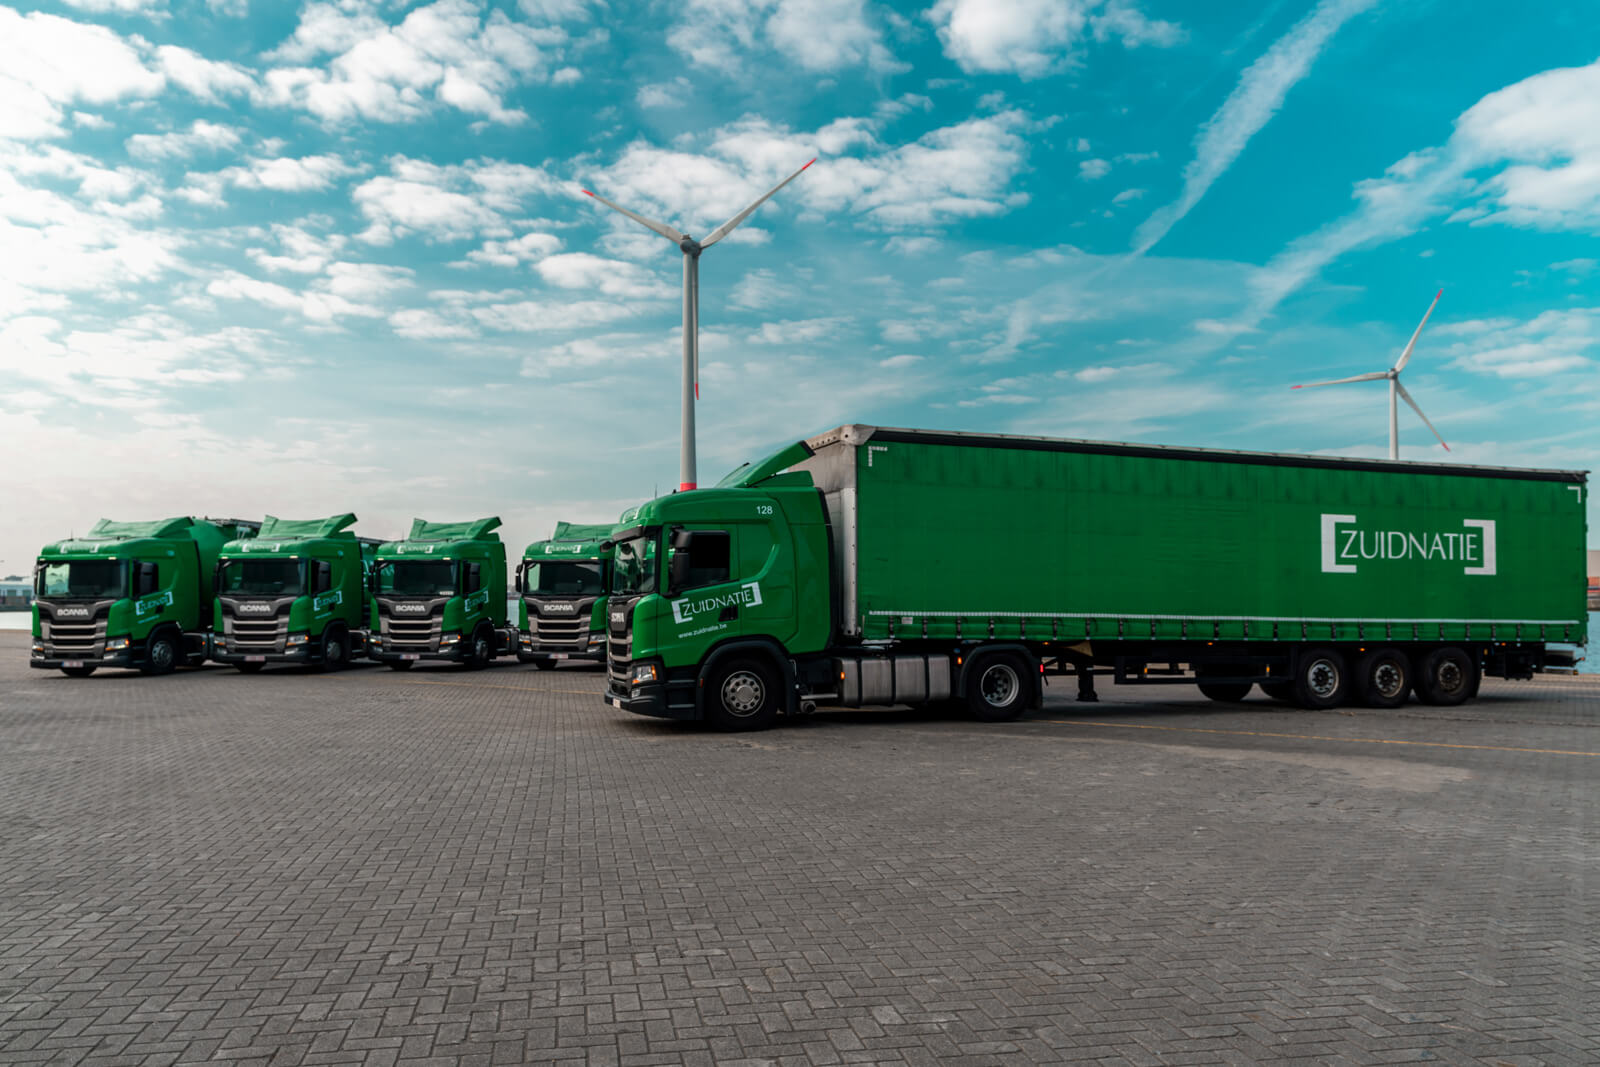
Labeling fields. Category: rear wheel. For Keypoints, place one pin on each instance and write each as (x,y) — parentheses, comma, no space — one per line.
(1447,676)
(1383,677)
(77,672)
(742,696)
(997,688)
(160,654)
(248,668)
(1321,680)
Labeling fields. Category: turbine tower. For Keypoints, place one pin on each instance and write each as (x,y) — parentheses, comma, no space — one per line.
(1395,388)
(691,250)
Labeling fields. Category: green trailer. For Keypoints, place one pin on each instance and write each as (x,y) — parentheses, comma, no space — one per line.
(874,566)
(295,593)
(562,585)
(129,594)
(440,595)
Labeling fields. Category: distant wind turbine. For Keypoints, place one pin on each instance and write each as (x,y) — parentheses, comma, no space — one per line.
(691,250)
(1395,388)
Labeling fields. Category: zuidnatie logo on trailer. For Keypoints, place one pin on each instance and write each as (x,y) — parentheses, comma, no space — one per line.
(1346,544)
(687,609)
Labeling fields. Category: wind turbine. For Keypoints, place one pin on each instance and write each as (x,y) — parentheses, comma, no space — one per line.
(1395,388)
(691,250)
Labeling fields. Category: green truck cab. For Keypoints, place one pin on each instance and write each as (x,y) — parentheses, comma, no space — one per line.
(871,566)
(128,594)
(562,585)
(440,595)
(295,593)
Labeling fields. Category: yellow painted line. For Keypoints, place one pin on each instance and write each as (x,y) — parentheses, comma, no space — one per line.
(1319,737)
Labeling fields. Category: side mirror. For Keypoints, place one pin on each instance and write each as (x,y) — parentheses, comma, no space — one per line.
(680,562)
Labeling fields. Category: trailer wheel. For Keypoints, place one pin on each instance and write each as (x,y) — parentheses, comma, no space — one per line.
(160,654)
(1447,677)
(1226,692)
(997,688)
(1383,677)
(248,668)
(1320,680)
(77,672)
(1282,692)
(742,696)
(335,650)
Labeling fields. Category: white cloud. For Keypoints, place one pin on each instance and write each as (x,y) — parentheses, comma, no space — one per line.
(280,175)
(664,94)
(206,79)
(797,331)
(911,246)
(535,316)
(1127,196)
(1133,28)
(48,63)
(612,277)
(201,136)
(120,7)
(1033,38)
(529,248)
(446,53)
(905,360)
(817,35)
(314,305)
(365,281)
(1553,342)
(446,203)
(1255,99)
(1093,169)
(303,252)
(423,325)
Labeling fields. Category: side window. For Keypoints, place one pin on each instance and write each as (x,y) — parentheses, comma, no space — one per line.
(474,580)
(710,559)
(149,579)
(324,580)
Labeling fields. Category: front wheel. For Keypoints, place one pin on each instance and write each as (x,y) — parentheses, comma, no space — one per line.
(742,696)
(481,651)
(77,672)
(160,654)
(997,688)
(335,651)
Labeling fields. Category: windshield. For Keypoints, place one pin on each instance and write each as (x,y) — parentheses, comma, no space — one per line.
(86,579)
(407,577)
(262,577)
(565,577)
(634,569)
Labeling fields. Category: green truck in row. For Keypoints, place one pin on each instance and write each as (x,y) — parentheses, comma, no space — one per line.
(874,566)
(562,585)
(440,594)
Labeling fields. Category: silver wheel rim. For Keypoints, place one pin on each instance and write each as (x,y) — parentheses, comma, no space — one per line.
(998,686)
(1450,677)
(481,649)
(1322,678)
(161,655)
(335,651)
(1388,679)
(742,693)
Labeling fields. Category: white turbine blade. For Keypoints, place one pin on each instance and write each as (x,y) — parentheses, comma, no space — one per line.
(666,231)
(1407,398)
(727,227)
(1406,355)
(1374,376)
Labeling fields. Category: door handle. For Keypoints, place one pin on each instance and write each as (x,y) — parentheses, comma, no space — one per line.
(729,613)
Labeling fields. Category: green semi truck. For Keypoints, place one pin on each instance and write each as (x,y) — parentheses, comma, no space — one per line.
(440,594)
(562,585)
(294,593)
(873,566)
(129,594)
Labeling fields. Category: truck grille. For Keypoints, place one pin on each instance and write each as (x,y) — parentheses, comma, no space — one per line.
(412,635)
(573,633)
(619,651)
(84,638)
(257,635)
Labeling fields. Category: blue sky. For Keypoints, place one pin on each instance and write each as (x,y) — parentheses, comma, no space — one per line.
(334,256)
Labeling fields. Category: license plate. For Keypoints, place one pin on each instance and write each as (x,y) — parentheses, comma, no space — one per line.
(410,655)
(255,659)
(615,702)
(72,663)
(558,655)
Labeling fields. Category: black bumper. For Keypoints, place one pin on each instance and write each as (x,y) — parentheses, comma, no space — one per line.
(529,653)
(298,655)
(652,700)
(52,662)
(454,654)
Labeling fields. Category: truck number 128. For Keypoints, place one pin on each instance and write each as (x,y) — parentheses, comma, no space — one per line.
(763,509)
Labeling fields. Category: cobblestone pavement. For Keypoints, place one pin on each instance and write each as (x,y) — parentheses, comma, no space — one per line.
(493,868)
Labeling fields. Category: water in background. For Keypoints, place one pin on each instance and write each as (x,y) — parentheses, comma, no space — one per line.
(21,620)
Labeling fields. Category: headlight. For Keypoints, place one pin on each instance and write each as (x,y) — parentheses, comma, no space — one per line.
(296,639)
(450,639)
(116,644)
(595,639)
(527,640)
(644,672)
(38,650)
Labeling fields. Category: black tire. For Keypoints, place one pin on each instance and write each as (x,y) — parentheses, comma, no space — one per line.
(480,649)
(545,664)
(997,688)
(1283,692)
(1446,677)
(1383,678)
(1321,679)
(160,654)
(742,695)
(335,650)
(400,664)
(77,672)
(1225,692)
(248,668)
